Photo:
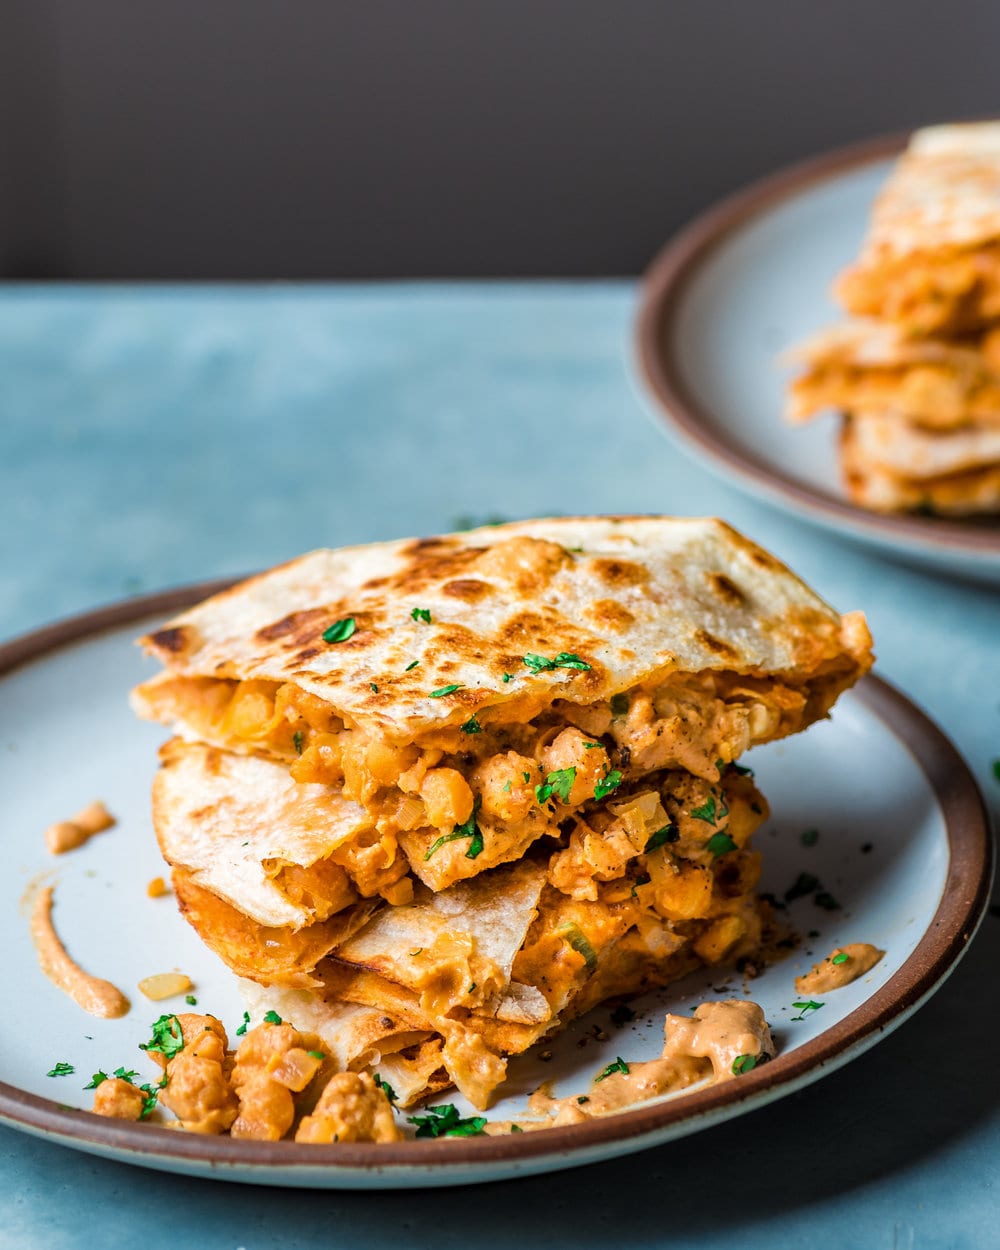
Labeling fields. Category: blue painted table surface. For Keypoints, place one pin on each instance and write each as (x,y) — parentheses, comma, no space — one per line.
(151,436)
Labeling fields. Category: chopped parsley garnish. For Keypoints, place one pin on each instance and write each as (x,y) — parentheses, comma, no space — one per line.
(720,844)
(467,830)
(98,1078)
(507,785)
(411,666)
(706,812)
(372,687)
(341,630)
(611,781)
(506,678)
(809,837)
(272,1017)
(583,1098)
(298,740)
(191,1000)
(472,988)
(126,1074)
(619,704)
(421,614)
(516,1128)
(559,783)
(317,1054)
(589,746)
(841,957)
(579,941)
(805,1008)
(152,1092)
(243,1027)
(643,880)
(444,1121)
(744,1063)
(805,883)
(61,1069)
(472,726)
(669,833)
(527,777)
(385,1087)
(565,659)
(167,1039)
(439,694)
(825,899)
(619,1065)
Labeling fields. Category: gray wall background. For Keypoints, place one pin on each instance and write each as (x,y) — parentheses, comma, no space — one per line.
(370,138)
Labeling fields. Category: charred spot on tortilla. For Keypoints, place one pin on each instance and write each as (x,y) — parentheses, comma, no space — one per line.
(720,585)
(299,628)
(712,643)
(620,573)
(611,614)
(468,588)
(175,639)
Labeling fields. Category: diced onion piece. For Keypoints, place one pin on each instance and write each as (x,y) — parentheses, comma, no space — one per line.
(165,985)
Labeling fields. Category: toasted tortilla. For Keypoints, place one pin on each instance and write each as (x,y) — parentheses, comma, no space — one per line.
(410,944)
(886,441)
(931,259)
(360,1038)
(632,597)
(973,491)
(225,818)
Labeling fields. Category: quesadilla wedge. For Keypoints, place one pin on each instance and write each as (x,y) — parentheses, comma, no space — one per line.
(930,262)
(921,417)
(447,703)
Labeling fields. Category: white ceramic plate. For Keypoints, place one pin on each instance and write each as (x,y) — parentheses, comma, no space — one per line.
(879,773)
(726,297)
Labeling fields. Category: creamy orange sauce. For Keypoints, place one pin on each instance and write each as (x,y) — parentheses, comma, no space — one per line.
(67,835)
(94,995)
(834,972)
(713,1045)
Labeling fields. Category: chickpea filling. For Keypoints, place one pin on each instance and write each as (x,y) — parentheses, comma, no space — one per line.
(938,396)
(949,291)
(463,799)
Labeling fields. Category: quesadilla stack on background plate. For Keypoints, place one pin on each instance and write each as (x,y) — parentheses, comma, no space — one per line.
(435,798)
(918,380)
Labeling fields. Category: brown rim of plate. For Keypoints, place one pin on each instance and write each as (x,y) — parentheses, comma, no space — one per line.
(664,285)
(962,905)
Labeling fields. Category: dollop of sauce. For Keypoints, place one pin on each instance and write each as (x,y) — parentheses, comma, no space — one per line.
(94,995)
(67,835)
(722,1040)
(843,965)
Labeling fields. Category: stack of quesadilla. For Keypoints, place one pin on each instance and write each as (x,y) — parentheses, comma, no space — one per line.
(432,799)
(918,379)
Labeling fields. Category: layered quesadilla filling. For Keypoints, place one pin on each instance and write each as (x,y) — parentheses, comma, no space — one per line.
(458,801)
(657,880)
(945,291)
(936,386)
